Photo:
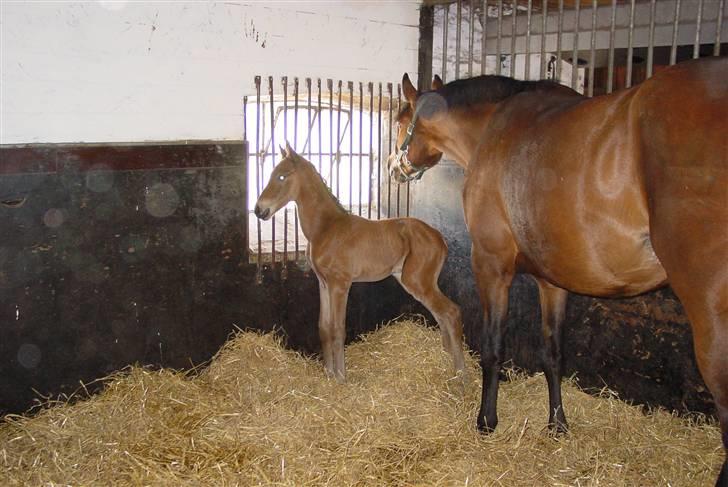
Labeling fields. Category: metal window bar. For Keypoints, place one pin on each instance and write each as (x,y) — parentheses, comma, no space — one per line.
(718,27)
(514,34)
(458,34)
(610,61)
(284,260)
(544,26)
(575,47)
(296,255)
(527,73)
(483,37)
(592,49)
(499,38)
(443,75)
(698,24)
(471,37)
(675,28)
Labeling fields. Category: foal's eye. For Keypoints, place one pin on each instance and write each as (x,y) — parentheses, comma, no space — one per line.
(281,177)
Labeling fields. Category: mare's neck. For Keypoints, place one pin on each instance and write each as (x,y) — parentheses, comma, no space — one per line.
(459,133)
(317,208)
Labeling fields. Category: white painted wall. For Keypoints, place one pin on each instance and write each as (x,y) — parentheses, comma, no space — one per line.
(135,71)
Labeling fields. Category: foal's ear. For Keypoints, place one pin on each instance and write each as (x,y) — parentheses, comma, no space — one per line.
(437,83)
(289,149)
(408,89)
(283,151)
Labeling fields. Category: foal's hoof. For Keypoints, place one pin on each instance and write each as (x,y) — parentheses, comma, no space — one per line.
(558,428)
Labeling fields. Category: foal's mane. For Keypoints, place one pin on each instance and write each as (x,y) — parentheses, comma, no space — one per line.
(321,179)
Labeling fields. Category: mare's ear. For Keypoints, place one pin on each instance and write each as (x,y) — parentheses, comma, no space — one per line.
(437,83)
(408,89)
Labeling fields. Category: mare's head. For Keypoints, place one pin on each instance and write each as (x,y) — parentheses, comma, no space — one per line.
(284,185)
(415,151)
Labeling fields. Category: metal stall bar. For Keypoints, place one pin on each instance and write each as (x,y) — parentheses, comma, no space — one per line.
(319,148)
(379,155)
(718,26)
(310,120)
(630,49)
(592,50)
(698,25)
(675,27)
(544,26)
(350,86)
(338,138)
(559,35)
(295,145)
(483,49)
(389,149)
(471,37)
(258,179)
(245,174)
(499,38)
(445,20)
(370,90)
(273,164)
(514,26)
(458,34)
(361,142)
(330,87)
(399,108)
(651,40)
(610,62)
(527,74)
(575,47)
(284,263)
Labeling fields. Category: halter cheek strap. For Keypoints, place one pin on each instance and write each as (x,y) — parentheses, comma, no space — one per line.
(403,162)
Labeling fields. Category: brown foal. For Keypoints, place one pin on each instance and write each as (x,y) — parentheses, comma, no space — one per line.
(344,248)
(607,196)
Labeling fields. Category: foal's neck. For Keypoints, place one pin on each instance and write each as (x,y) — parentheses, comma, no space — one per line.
(317,208)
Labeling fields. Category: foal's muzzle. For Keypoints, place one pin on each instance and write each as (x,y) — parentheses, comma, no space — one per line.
(262,213)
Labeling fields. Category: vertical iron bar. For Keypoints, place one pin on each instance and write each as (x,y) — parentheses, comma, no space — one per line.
(483,39)
(651,40)
(698,22)
(544,26)
(379,155)
(399,108)
(258,178)
(295,145)
(284,262)
(514,28)
(338,139)
(527,72)
(471,37)
(318,123)
(361,140)
(630,48)
(610,62)
(592,49)
(675,27)
(310,121)
(445,22)
(273,164)
(350,86)
(330,87)
(370,89)
(559,34)
(575,47)
(389,148)
(246,184)
(499,38)
(458,35)
(718,27)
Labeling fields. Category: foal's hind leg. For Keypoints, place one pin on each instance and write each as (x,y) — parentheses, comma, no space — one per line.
(419,278)
(553,307)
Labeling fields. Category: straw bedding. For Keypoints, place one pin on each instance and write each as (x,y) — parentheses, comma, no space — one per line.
(263,415)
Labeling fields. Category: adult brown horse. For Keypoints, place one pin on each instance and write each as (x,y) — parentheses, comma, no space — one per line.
(610,196)
(344,248)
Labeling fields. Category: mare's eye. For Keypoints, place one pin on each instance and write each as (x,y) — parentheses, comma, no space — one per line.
(281,177)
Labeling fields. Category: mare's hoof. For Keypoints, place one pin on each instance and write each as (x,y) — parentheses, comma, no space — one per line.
(486,427)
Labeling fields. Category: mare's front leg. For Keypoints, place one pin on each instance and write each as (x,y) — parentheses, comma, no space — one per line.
(493,275)
(334,332)
(553,308)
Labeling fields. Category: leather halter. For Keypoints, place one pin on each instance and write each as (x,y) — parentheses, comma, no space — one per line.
(413,173)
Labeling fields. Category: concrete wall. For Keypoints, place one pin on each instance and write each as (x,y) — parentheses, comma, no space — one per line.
(138,71)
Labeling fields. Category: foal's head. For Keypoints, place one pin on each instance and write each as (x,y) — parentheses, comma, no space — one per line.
(415,151)
(285,184)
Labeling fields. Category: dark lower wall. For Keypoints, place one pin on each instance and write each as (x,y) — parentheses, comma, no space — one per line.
(639,347)
(114,255)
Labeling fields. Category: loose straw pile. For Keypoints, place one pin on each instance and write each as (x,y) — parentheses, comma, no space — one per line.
(264,415)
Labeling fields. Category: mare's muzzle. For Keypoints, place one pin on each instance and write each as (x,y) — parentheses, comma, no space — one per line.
(401,169)
(262,213)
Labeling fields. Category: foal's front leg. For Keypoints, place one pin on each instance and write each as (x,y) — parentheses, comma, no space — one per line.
(333,333)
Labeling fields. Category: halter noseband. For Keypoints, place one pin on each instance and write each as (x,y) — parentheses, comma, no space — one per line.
(413,173)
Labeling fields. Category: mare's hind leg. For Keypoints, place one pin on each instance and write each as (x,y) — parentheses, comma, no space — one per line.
(553,308)
(419,278)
